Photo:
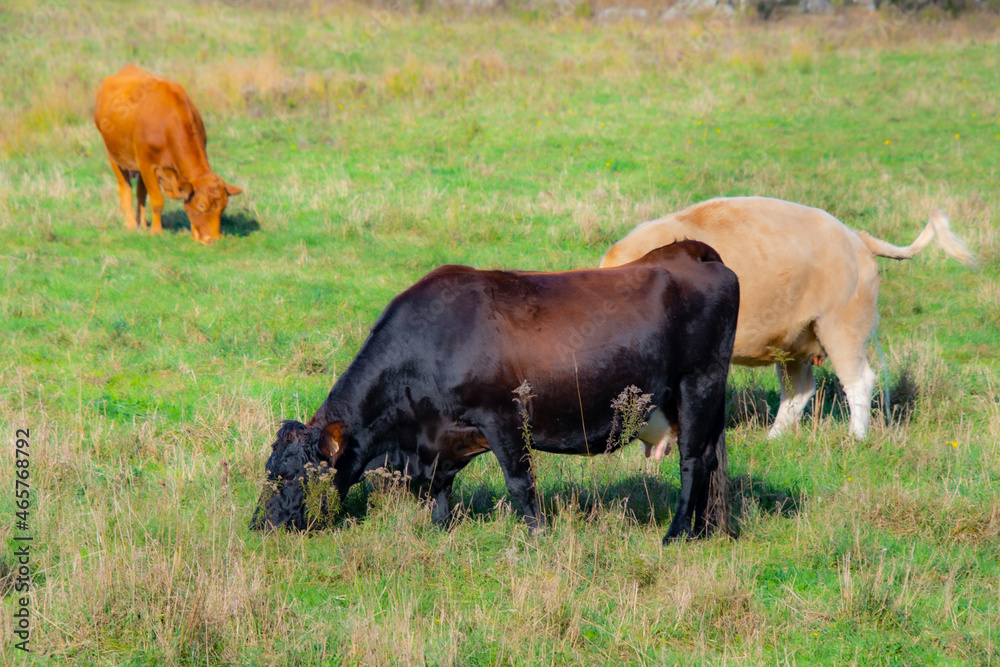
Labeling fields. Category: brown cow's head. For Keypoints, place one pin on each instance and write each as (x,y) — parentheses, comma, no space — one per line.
(298,491)
(204,198)
(206,205)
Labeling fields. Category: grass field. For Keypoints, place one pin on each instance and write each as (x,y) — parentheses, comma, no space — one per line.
(376,144)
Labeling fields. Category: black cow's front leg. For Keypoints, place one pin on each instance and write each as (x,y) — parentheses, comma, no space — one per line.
(516,464)
(441,507)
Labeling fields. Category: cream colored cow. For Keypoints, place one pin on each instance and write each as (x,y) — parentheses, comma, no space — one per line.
(808,289)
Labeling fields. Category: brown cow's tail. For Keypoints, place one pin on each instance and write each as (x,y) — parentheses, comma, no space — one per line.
(938,225)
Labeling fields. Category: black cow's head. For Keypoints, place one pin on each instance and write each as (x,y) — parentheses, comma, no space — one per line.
(299,489)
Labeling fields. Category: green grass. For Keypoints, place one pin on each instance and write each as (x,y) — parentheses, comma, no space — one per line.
(153,372)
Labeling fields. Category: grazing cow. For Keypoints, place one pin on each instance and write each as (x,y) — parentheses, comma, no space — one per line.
(433,385)
(809,287)
(152,130)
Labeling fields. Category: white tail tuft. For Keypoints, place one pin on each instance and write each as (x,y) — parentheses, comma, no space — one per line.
(938,225)
(952,245)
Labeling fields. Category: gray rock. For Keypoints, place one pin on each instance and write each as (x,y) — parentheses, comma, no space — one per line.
(815,6)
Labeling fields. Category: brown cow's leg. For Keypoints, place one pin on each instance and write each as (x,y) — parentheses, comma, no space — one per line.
(124,192)
(140,209)
(155,196)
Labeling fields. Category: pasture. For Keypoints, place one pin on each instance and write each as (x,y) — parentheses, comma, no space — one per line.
(375,144)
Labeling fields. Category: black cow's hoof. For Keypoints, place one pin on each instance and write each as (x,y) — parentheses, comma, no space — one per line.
(536,526)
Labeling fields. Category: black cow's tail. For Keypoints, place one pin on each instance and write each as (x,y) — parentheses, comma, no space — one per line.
(718,510)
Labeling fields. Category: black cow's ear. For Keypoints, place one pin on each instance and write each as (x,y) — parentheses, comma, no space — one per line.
(331,440)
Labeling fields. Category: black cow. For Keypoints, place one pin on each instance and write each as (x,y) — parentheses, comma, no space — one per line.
(432,386)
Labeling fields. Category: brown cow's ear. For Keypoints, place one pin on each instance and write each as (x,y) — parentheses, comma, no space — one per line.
(200,202)
(232,190)
(172,184)
(331,440)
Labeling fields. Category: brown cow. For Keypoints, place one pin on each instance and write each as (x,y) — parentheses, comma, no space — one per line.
(808,285)
(152,130)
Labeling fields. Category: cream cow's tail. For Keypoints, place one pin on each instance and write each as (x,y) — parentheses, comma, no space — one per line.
(938,225)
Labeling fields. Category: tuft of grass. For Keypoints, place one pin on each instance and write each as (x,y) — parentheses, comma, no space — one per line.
(630,411)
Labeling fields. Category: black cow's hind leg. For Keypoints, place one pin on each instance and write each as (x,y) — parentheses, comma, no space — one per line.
(701,421)
(691,506)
